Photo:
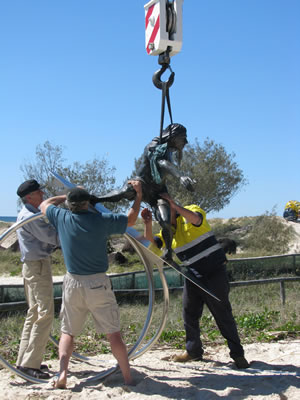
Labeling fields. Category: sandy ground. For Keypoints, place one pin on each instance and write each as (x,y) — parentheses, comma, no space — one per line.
(274,373)
(295,245)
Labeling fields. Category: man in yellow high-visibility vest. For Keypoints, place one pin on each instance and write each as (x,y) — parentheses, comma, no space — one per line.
(195,244)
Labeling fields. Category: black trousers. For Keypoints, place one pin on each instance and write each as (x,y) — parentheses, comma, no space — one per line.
(193,303)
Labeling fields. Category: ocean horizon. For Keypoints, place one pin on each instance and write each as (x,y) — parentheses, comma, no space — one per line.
(8,219)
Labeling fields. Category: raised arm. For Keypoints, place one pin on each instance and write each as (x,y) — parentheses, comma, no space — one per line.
(56,200)
(191,216)
(146,215)
(135,208)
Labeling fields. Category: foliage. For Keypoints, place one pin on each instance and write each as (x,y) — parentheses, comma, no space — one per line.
(256,236)
(269,235)
(264,235)
(259,321)
(48,158)
(258,312)
(58,263)
(10,263)
(232,229)
(263,268)
(217,176)
(96,176)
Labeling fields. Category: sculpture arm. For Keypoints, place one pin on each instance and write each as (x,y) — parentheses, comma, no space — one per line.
(169,168)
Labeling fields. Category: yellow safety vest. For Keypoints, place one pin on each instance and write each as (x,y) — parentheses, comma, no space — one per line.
(193,244)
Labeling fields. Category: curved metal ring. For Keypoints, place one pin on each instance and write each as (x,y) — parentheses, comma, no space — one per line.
(131,354)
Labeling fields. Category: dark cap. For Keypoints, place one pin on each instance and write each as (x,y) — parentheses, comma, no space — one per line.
(28,187)
(77,195)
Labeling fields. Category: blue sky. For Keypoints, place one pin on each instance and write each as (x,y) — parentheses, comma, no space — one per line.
(76,73)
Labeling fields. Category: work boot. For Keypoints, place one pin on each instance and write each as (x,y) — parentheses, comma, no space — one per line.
(185,357)
(241,362)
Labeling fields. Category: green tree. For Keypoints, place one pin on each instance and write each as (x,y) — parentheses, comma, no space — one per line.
(96,175)
(48,158)
(218,177)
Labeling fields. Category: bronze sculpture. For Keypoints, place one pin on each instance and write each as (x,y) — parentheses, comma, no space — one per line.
(156,164)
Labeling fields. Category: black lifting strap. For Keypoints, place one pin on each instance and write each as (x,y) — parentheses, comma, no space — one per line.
(164,87)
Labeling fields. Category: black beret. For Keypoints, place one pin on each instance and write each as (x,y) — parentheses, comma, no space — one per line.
(77,195)
(28,187)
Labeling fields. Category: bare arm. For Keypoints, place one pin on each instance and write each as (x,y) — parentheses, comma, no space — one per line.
(190,216)
(147,219)
(56,200)
(135,208)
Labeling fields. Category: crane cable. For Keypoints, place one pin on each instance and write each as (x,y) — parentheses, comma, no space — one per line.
(164,61)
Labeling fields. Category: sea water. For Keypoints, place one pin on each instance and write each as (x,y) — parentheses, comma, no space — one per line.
(8,219)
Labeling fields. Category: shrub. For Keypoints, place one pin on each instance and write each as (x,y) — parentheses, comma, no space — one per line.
(268,235)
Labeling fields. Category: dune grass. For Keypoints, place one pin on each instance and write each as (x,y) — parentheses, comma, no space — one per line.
(258,311)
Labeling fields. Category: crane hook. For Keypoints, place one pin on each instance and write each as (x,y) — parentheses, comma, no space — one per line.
(156,79)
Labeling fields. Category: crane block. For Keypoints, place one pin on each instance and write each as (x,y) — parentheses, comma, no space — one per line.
(163,24)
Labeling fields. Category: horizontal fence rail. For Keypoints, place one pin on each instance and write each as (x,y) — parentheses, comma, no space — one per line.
(12,296)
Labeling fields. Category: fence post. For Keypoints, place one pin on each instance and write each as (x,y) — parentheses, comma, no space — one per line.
(282,293)
(294,263)
(133,281)
(181,280)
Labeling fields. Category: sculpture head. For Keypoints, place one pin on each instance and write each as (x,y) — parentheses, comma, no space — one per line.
(176,138)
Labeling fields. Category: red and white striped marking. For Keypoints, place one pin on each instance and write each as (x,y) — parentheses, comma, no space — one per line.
(152,20)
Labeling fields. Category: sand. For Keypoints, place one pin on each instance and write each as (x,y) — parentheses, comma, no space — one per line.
(274,373)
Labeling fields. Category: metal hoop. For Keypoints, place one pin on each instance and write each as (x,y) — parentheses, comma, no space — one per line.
(133,352)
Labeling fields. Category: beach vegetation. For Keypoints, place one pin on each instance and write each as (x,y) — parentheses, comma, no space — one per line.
(258,311)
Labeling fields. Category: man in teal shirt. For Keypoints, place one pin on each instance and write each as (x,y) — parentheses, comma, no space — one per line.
(83,235)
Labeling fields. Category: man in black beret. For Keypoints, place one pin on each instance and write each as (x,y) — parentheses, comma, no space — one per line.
(37,240)
(28,187)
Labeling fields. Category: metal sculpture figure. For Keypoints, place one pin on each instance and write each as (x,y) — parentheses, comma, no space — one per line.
(156,164)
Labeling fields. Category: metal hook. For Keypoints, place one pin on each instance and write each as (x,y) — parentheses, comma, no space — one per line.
(157,75)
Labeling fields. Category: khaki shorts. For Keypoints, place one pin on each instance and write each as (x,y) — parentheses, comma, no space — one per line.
(84,293)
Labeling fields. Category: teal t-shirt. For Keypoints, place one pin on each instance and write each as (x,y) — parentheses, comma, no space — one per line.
(83,237)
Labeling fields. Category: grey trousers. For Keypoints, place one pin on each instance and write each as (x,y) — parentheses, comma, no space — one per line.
(38,287)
